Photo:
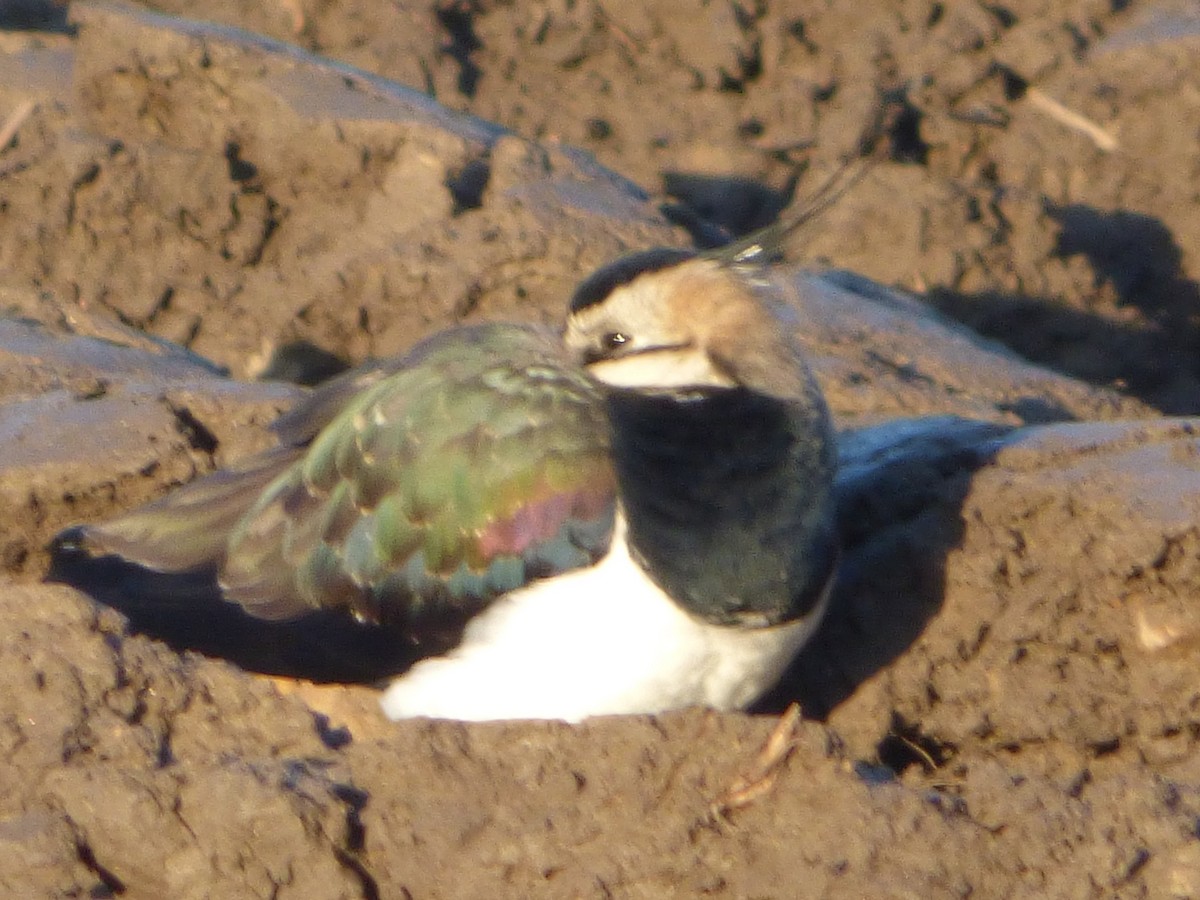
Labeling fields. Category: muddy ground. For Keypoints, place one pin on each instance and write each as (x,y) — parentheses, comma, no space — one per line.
(1004,699)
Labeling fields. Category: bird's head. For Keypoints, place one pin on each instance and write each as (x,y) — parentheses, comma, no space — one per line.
(669,321)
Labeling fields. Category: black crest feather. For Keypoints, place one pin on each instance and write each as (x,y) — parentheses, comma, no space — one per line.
(597,286)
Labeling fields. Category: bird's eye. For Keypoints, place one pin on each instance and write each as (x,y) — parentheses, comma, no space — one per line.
(613,340)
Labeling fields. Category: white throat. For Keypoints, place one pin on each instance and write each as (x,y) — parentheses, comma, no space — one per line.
(673,367)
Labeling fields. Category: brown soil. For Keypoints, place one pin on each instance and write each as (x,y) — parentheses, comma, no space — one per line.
(1003,701)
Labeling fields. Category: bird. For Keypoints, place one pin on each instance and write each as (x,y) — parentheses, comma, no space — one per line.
(630,514)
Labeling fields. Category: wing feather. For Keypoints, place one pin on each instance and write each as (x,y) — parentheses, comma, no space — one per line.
(482,465)
(413,491)
(186,530)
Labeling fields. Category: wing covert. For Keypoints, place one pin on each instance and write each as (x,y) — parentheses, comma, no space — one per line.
(481,465)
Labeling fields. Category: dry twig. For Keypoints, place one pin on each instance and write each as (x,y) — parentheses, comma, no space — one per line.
(296,12)
(755,783)
(1073,120)
(13,123)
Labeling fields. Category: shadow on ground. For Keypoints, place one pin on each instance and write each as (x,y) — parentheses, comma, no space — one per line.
(901,487)
(185,612)
(1151,355)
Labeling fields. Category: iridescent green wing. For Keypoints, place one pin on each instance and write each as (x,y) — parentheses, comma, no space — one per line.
(480,465)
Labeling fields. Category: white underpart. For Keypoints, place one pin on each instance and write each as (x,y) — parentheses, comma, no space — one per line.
(598,641)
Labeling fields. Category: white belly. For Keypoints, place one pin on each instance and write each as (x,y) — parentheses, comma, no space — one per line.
(598,641)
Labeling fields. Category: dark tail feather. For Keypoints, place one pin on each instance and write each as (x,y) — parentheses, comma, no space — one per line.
(158,566)
(187,529)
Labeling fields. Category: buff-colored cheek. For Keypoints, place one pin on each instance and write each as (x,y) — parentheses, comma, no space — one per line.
(715,305)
